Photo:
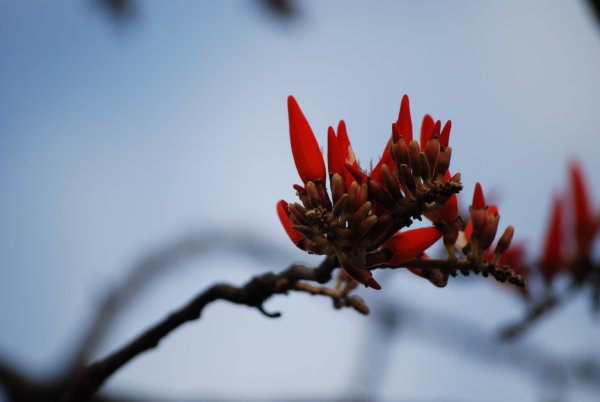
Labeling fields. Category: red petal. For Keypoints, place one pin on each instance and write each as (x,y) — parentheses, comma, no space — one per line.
(478,198)
(409,244)
(387,159)
(445,135)
(305,148)
(282,211)
(344,142)
(356,173)
(584,218)
(468,230)
(426,130)
(404,120)
(552,257)
(335,155)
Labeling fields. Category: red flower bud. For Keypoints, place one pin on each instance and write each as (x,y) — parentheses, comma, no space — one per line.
(445,135)
(386,159)
(478,198)
(404,120)
(305,148)
(553,255)
(426,130)
(585,221)
(410,243)
(282,211)
(335,155)
(342,135)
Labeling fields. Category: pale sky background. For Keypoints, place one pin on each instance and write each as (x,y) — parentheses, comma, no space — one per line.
(118,139)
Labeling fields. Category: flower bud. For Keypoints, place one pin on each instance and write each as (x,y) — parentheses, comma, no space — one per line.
(323,196)
(478,220)
(406,178)
(314,198)
(424,167)
(380,193)
(337,187)
(400,152)
(413,154)
(298,214)
(504,241)
(443,162)
(489,231)
(340,206)
(391,183)
(432,152)
(361,213)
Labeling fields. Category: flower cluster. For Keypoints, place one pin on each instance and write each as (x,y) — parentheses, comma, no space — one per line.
(572,229)
(361,220)
(567,252)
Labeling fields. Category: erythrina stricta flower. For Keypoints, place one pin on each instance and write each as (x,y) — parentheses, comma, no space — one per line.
(305,148)
(585,221)
(553,259)
(409,244)
(360,220)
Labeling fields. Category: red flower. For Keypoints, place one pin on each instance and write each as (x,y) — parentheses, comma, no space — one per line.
(282,212)
(553,259)
(585,221)
(404,121)
(305,148)
(410,243)
(359,223)
(478,198)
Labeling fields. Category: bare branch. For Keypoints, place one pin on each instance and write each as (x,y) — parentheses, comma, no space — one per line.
(254,293)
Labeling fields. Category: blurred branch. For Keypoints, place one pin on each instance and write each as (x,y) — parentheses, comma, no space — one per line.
(254,293)
(282,8)
(594,6)
(459,336)
(20,387)
(119,10)
(161,261)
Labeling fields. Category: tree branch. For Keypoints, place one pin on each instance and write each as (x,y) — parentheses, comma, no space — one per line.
(254,293)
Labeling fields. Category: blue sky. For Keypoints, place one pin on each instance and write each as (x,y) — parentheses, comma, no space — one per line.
(114,140)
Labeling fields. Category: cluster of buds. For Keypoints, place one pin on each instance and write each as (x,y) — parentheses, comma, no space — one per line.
(475,242)
(360,222)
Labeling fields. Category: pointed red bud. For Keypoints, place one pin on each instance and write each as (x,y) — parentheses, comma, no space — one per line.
(445,134)
(404,120)
(585,222)
(478,198)
(435,132)
(305,148)
(410,243)
(386,159)
(426,129)
(360,274)
(344,141)
(553,256)
(335,156)
(282,212)
(358,174)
